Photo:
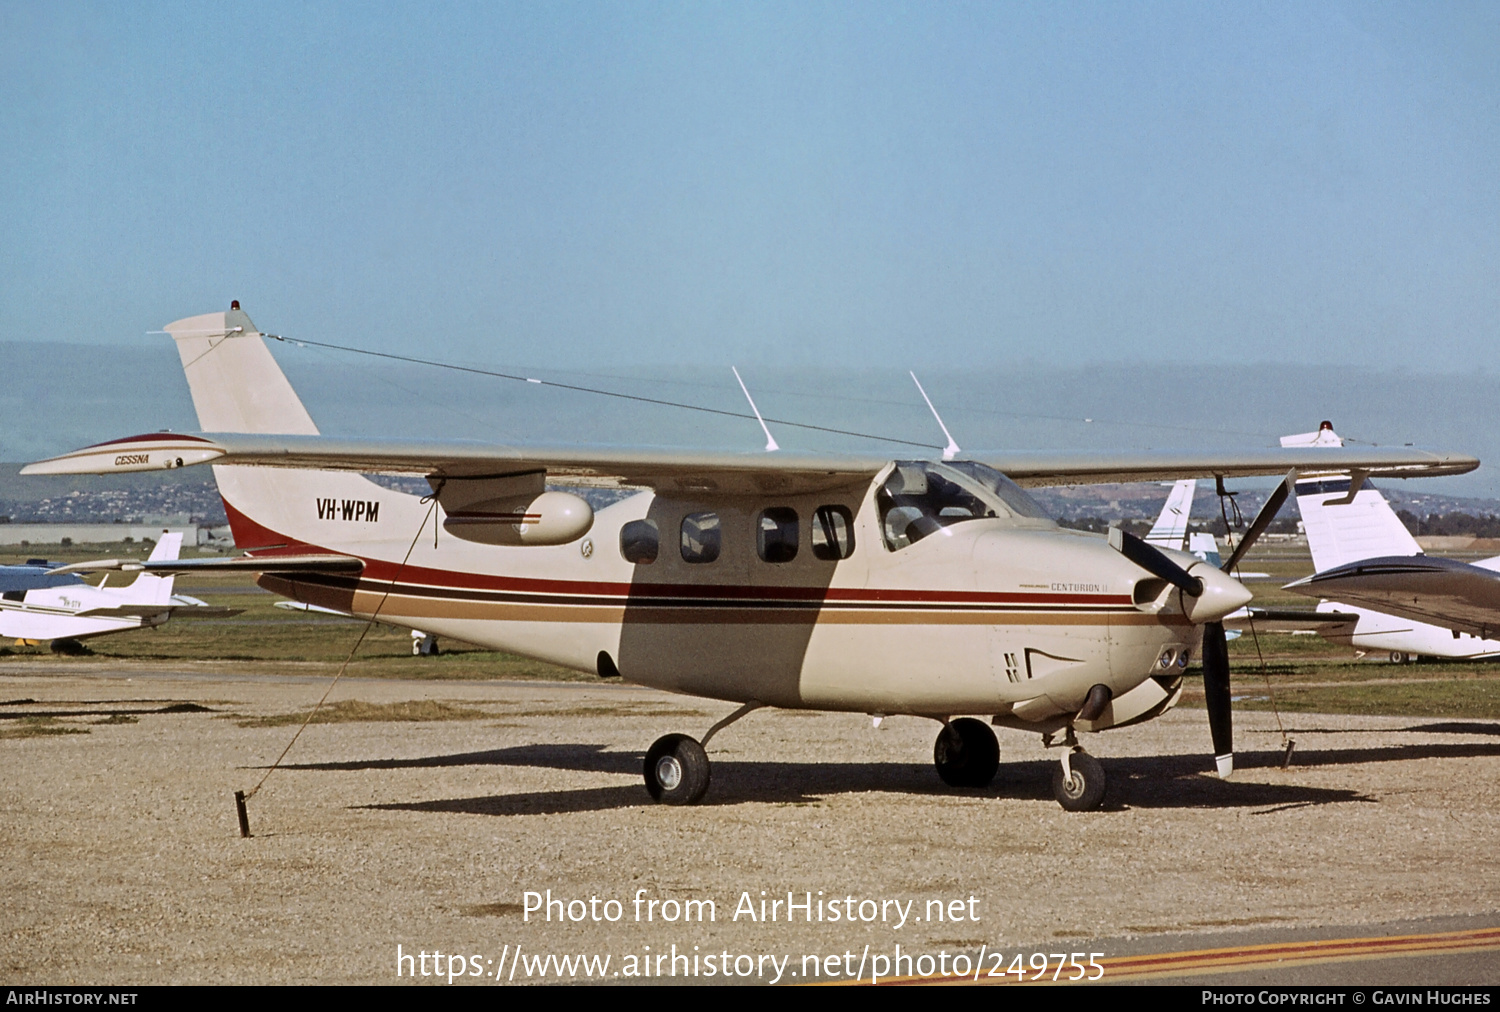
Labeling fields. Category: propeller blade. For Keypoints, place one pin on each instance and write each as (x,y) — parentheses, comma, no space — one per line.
(1262,519)
(1152,560)
(1216,695)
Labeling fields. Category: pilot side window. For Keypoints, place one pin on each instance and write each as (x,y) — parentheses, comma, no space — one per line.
(920,498)
(639,541)
(700,537)
(832,533)
(776,534)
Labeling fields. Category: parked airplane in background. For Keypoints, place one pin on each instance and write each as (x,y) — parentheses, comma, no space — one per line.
(1344,530)
(848,582)
(1171,527)
(39,603)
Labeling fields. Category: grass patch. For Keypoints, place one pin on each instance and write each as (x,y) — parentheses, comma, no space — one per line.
(354,711)
(119,718)
(40,727)
(1468,697)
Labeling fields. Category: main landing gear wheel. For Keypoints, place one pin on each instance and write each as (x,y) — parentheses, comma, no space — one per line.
(1399,657)
(1081,787)
(676,770)
(966,753)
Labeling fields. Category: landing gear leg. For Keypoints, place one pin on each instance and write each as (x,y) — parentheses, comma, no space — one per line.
(966,753)
(677,769)
(1078,782)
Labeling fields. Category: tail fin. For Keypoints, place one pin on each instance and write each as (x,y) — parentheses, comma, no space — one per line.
(237,386)
(149,589)
(1203,545)
(1338,531)
(1171,527)
(168,548)
(1347,532)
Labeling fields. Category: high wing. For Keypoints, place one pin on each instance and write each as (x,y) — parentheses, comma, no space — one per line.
(1446,592)
(672,469)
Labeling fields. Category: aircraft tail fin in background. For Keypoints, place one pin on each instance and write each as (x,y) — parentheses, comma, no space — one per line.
(150,589)
(1205,547)
(1341,530)
(1171,526)
(168,548)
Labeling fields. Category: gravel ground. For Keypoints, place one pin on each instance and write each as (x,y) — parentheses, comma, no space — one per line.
(123,862)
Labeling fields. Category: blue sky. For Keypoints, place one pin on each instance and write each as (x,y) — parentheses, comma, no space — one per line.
(1139,213)
(617,183)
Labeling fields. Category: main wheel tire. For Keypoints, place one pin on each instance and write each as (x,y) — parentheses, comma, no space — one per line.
(966,753)
(677,770)
(1085,790)
(1399,656)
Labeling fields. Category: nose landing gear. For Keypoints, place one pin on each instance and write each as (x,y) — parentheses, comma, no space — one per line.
(1078,783)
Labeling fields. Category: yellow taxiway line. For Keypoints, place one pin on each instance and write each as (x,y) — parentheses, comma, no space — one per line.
(1251,957)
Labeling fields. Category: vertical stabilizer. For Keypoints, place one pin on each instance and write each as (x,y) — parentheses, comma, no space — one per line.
(149,589)
(168,548)
(1171,527)
(1339,532)
(1205,547)
(237,386)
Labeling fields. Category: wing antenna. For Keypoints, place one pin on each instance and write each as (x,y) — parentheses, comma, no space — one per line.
(770,440)
(952,449)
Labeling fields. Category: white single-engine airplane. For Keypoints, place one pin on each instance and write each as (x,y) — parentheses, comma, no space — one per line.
(39,603)
(811,581)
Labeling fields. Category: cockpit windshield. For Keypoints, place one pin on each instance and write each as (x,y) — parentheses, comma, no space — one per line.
(920,498)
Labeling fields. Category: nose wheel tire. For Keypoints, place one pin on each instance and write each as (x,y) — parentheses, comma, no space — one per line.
(966,753)
(676,770)
(1082,788)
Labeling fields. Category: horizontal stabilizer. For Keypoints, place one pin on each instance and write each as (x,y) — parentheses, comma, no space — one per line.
(304,606)
(240,564)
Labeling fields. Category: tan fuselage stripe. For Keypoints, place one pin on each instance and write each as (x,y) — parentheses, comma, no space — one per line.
(1277,955)
(397,605)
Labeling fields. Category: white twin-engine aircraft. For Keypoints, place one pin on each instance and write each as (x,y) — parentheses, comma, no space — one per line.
(848,582)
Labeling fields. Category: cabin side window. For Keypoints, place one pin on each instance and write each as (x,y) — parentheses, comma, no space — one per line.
(700,537)
(639,541)
(776,534)
(832,533)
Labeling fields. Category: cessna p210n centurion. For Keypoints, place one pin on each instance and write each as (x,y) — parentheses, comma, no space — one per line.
(843,582)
